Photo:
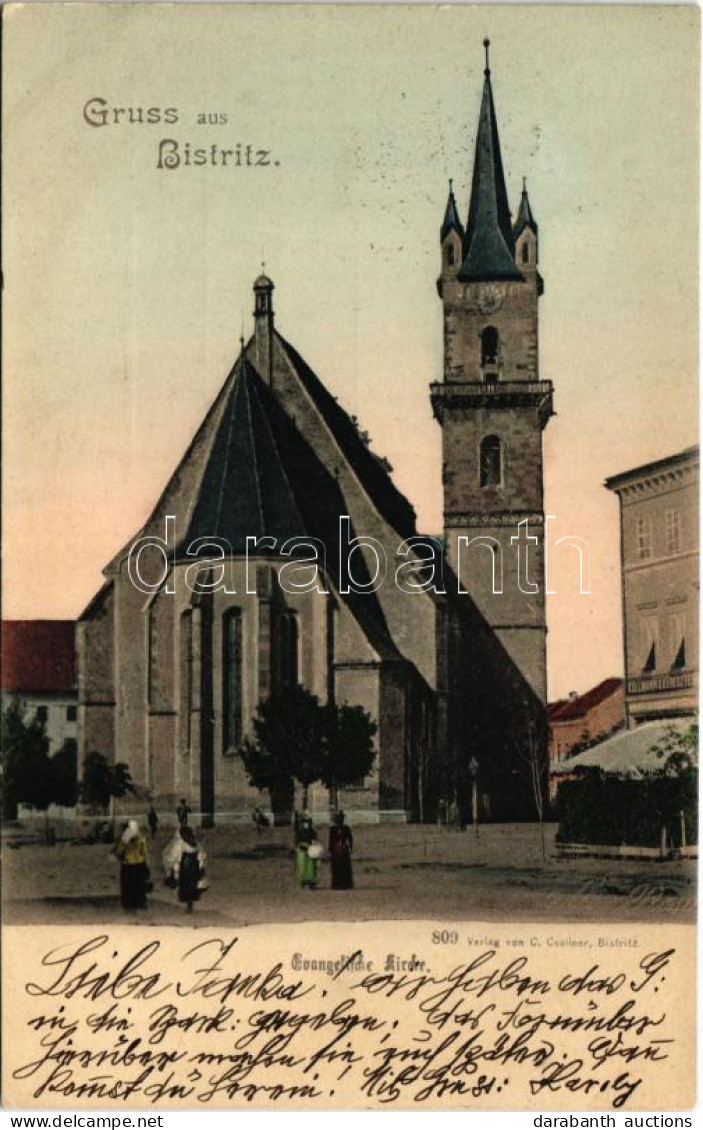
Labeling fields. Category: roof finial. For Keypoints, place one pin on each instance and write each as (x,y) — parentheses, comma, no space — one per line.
(451,185)
(524,184)
(487,44)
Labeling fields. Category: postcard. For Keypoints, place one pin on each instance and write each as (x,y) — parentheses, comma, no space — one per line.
(350,641)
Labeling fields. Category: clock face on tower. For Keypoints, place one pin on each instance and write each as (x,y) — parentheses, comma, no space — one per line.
(490,298)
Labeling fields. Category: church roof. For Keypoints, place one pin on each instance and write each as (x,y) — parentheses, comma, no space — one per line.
(525,219)
(489,247)
(250,472)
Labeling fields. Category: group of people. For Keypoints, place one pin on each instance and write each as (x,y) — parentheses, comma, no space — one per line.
(308,854)
(183,862)
(184,858)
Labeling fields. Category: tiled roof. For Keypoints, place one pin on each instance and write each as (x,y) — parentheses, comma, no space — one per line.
(567,710)
(38,656)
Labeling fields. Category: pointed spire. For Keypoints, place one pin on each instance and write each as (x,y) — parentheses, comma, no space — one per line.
(489,248)
(525,219)
(451,220)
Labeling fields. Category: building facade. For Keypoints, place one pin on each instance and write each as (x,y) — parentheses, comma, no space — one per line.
(171,670)
(659,546)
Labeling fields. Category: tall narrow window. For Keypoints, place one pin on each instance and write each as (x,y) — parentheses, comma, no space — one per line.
(491,460)
(286,650)
(644,538)
(186,680)
(673,531)
(526,252)
(232,678)
(489,346)
(450,255)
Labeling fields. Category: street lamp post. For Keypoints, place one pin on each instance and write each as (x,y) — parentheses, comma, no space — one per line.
(473,770)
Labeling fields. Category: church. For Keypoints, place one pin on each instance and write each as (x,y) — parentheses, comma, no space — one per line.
(452,671)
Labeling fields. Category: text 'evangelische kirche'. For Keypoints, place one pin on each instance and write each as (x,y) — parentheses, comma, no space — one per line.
(169,682)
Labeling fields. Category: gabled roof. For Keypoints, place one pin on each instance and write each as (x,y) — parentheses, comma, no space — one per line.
(451,221)
(569,710)
(38,656)
(249,472)
(525,219)
(489,247)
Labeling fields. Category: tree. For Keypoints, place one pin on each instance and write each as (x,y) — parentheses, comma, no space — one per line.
(102,783)
(532,754)
(24,757)
(298,739)
(349,749)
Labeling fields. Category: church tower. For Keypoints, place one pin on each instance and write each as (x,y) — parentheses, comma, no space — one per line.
(493,407)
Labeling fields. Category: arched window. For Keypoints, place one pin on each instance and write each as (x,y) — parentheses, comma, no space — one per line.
(286,650)
(450,254)
(491,460)
(232,678)
(525,252)
(489,346)
(187,680)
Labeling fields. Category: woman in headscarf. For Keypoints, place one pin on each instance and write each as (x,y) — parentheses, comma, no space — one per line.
(341,847)
(131,850)
(307,855)
(184,864)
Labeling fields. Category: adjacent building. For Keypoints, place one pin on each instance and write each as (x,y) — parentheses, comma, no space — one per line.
(39,669)
(170,675)
(659,547)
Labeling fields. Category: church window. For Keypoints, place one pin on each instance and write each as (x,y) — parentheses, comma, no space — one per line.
(644,538)
(525,252)
(677,639)
(490,462)
(187,683)
(286,650)
(450,255)
(232,678)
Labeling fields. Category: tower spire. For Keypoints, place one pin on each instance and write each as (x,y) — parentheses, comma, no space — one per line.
(489,247)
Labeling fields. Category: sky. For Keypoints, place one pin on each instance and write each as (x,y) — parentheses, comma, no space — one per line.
(127,286)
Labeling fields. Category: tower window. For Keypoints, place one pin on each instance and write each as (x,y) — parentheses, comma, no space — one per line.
(450,255)
(232,678)
(490,462)
(489,346)
(525,252)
